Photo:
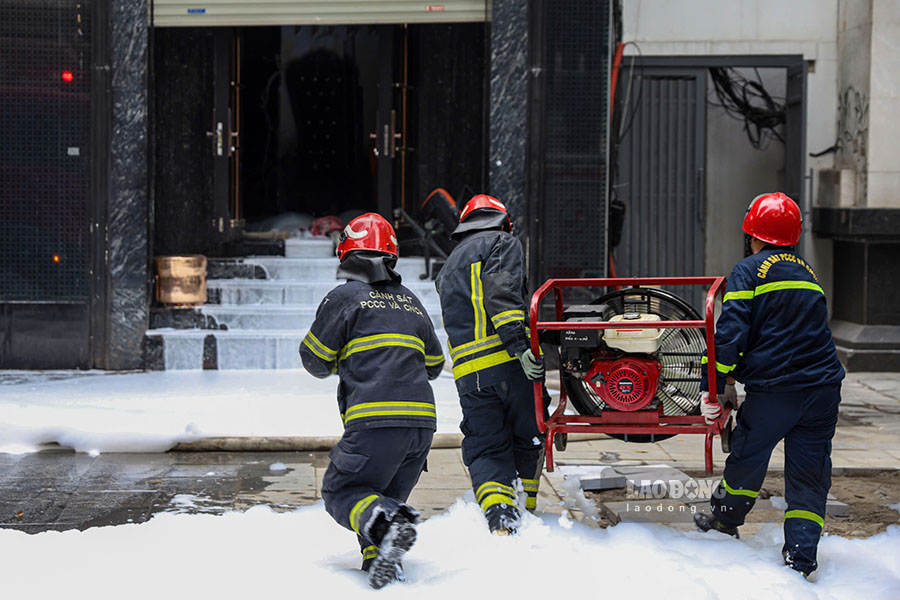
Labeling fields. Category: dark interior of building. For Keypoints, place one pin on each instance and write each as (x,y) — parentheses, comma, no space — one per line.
(302,134)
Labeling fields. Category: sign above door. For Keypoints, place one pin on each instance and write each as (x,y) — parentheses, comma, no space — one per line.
(205,13)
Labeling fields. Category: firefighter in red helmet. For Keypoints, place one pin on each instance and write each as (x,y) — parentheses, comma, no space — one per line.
(773,336)
(484,301)
(376,335)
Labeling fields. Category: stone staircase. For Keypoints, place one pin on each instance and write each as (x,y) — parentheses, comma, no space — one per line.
(259,309)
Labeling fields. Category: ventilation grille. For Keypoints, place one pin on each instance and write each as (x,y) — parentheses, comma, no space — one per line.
(576,124)
(44,157)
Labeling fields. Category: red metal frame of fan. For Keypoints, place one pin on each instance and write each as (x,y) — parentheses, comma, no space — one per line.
(620,422)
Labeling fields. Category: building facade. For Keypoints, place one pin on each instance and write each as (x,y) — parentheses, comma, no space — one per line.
(142,129)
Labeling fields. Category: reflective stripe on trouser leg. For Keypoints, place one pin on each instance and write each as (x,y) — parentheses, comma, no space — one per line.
(490,493)
(528,442)
(358,510)
(530,487)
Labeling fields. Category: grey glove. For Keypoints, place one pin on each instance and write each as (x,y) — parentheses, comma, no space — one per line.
(533,367)
(710,410)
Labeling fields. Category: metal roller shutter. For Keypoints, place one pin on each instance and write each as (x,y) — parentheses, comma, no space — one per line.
(202,13)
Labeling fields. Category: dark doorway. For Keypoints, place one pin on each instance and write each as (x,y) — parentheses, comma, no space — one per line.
(305,112)
(660,176)
(345,119)
(266,125)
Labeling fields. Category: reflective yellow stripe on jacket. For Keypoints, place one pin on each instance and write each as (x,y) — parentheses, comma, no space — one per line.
(318,348)
(383,340)
(433,361)
(478,301)
(787,285)
(480,363)
(478,355)
(470,348)
(772,287)
(507,316)
(738,295)
(389,409)
(723,369)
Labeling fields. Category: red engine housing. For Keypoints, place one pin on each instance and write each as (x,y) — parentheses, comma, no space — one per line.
(625,384)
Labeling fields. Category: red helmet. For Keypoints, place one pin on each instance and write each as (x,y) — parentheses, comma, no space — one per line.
(483,212)
(369,232)
(775,219)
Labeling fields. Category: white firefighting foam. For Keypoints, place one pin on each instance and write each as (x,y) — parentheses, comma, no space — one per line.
(262,554)
(150,412)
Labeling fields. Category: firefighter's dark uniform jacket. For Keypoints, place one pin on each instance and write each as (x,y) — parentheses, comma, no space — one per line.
(773,331)
(773,335)
(380,341)
(484,303)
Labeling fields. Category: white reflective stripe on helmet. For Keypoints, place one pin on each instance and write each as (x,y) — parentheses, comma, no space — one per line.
(497,204)
(754,201)
(394,240)
(356,235)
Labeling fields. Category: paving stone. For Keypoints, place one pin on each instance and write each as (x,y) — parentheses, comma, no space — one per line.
(595,477)
(836,508)
(609,479)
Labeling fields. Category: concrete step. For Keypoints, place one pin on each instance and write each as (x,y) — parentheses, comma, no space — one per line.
(274,316)
(261,317)
(321,247)
(279,291)
(324,269)
(266,304)
(235,349)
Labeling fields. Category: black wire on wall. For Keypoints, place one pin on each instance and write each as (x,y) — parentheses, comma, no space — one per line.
(748,101)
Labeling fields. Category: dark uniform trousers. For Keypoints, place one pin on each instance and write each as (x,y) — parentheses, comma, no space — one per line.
(805,420)
(501,441)
(372,472)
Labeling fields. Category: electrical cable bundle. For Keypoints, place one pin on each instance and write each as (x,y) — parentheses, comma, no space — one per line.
(748,101)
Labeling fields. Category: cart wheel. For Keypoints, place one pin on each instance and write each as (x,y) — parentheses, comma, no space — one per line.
(726,435)
(560,441)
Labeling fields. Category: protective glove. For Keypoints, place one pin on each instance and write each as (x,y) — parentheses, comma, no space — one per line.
(710,410)
(533,367)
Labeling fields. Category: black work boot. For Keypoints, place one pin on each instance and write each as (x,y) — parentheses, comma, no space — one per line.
(805,569)
(706,522)
(397,540)
(503,519)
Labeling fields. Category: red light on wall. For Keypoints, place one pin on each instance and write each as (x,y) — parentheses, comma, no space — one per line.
(68,76)
(56,258)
